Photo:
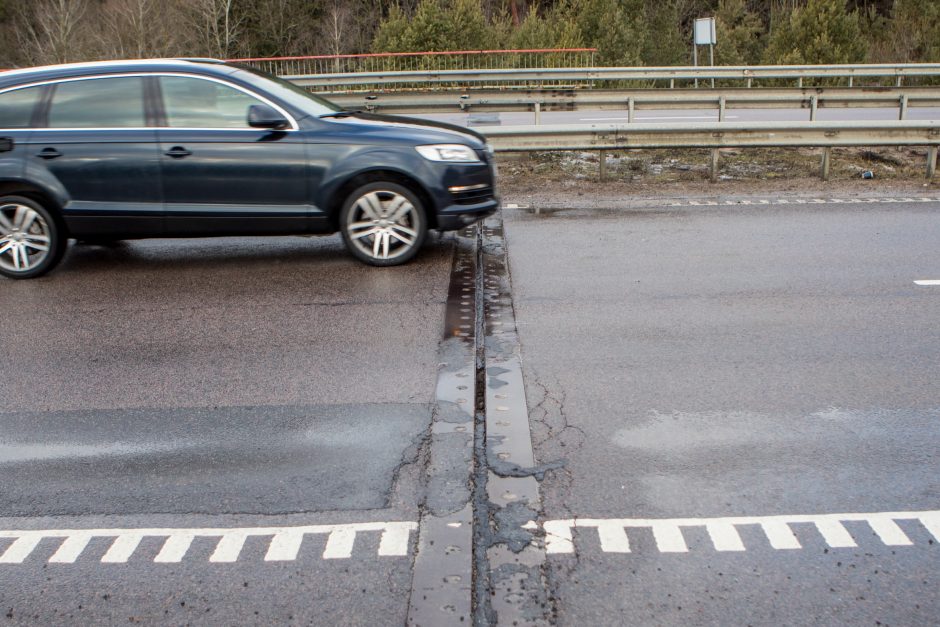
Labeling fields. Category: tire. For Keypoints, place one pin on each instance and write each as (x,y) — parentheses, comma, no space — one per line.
(383,224)
(32,240)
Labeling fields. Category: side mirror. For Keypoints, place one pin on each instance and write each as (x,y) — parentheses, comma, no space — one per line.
(264,116)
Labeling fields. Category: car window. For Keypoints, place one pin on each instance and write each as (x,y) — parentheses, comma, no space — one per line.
(98,103)
(197,103)
(16,107)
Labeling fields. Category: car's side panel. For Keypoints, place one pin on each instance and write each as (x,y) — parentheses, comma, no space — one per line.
(234,181)
(110,179)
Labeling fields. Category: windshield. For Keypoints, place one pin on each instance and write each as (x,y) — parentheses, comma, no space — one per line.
(288,92)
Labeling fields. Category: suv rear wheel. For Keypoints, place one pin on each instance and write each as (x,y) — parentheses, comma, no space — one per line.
(31,241)
(383,224)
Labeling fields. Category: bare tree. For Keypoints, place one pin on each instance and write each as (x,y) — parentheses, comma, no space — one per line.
(217,26)
(142,28)
(335,24)
(50,31)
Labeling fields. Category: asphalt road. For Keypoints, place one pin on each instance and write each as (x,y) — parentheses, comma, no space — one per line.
(695,365)
(669,413)
(192,385)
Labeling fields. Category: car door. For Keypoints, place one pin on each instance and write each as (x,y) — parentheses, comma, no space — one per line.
(96,145)
(221,176)
(18,110)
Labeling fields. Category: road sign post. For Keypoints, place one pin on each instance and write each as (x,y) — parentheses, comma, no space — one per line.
(704,35)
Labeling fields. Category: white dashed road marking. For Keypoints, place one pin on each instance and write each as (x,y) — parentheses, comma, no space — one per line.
(800,201)
(723,532)
(284,545)
(926,282)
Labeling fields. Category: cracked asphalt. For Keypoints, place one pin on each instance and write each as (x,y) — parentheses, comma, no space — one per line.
(710,362)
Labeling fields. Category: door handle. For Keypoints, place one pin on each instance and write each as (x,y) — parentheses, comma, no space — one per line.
(49,153)
(177,152)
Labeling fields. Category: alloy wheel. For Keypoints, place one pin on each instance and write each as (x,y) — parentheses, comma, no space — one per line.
(25,238)
(383,225)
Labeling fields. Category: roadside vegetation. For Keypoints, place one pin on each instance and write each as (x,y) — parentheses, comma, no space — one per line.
(625,32)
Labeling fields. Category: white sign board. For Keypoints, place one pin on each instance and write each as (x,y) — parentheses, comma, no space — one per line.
(705,32)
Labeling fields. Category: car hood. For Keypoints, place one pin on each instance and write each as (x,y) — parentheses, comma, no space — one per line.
(435,131)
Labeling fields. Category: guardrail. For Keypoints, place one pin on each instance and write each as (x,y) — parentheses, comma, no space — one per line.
(537,101)
(826,135)
(746,74)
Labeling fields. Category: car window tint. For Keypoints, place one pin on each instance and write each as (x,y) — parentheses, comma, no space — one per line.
(16,107)
(196,103)
(98,103)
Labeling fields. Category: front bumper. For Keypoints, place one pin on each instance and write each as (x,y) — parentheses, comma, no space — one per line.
(458,216)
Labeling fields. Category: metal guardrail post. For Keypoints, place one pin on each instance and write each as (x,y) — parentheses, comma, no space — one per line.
(813,107)
(631,110)
(931,161)
(538,112)
(826,162)
(721,108)
(902,113)
(602,165)
(714,165)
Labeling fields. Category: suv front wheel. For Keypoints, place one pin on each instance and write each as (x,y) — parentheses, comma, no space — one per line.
(383,224)
(31,241)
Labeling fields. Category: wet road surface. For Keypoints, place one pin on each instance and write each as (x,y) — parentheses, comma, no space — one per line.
(671,413)
(252,403)
(777,363)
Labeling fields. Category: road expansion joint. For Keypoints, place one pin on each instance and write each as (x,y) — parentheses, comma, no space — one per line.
(511,574)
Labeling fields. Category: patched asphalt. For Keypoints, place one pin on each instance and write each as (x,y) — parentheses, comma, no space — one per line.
(216,383)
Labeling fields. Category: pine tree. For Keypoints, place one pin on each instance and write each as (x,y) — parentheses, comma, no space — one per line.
(915,31)
(740,34)
(617,28)
(822,32)
(665,43)
(553,30)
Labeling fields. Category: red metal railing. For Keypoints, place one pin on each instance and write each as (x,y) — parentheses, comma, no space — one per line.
(403,61)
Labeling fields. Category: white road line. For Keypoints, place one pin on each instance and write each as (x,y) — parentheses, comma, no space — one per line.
(174,549)
(70,549)
(614,537)
(926,282)
(889,532)
(780,535)
(122,548)
(724,536)
(284,545)
(20,549)
(801,201)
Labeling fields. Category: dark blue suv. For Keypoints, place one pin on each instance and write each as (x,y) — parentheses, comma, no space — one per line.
(197,148)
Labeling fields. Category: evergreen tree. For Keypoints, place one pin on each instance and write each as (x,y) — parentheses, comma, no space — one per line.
(553,30)
(665,43)
(740,34)
(915,31)
(821,32)
(436,26)
(617,28)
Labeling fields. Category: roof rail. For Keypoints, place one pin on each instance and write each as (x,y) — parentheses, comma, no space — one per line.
(201,60)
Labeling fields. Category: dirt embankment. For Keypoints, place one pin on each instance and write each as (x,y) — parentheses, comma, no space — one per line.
(542,178)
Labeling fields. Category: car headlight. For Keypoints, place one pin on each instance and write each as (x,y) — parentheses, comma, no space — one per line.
(457,153)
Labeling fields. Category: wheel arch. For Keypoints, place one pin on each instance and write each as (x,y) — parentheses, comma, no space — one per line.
(15,187)
(364,177)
